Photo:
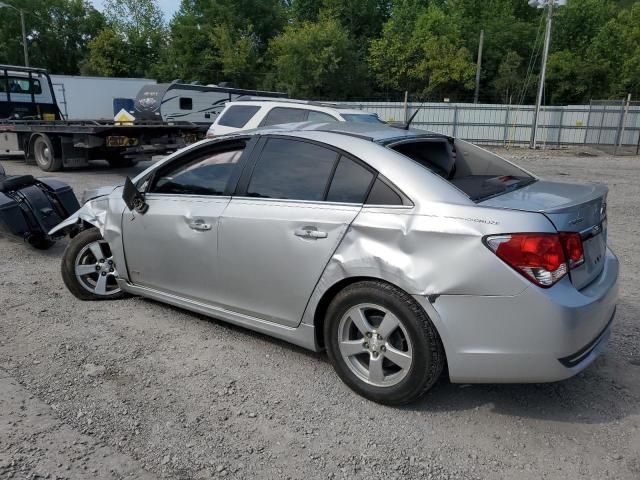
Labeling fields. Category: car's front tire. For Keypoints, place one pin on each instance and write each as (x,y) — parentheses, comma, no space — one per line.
(382,344)
(88,269)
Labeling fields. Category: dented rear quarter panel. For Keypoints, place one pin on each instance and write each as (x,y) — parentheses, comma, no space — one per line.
(429,250)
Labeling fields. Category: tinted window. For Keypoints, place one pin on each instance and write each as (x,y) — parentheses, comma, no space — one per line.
(280,115)
(294,170)
(383,194)
(238,115)
(186,103)
(350,182)
(204,175)
(320,117)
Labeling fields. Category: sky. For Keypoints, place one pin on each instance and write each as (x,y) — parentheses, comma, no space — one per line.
(169,7)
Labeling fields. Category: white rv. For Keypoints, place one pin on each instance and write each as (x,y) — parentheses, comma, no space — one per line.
(194,103)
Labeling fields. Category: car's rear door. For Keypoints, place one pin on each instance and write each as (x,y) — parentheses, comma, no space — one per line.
(173,247)
(279,232)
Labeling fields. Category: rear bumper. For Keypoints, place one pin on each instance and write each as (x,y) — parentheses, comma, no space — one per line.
(540,335)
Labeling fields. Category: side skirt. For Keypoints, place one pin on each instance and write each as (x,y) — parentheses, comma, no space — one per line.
(303,335)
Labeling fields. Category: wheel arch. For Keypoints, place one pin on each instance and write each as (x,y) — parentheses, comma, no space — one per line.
(330,293)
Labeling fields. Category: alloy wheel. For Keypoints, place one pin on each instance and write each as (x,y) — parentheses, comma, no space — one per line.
(95,269)
(375,345)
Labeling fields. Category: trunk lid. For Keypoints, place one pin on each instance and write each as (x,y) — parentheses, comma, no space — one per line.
(571,208)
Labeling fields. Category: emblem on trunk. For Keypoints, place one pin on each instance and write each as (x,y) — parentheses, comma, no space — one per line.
(576,221)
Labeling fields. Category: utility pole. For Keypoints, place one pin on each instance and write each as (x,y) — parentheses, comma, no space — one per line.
(24,31)
(543,73)
(478,67)
(24,40)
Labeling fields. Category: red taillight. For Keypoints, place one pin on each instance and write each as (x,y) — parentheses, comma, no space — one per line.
(538,256)
(572,243)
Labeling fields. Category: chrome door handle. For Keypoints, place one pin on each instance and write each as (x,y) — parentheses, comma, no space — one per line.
(310,232)
(199,225)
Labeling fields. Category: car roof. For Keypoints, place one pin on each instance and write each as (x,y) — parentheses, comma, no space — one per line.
(380,133)
(309,104)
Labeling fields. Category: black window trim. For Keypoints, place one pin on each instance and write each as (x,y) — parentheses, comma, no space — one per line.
(249,166)
(207,149)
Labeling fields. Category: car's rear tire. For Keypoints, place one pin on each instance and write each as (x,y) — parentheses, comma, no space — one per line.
(88,269)
(382,344)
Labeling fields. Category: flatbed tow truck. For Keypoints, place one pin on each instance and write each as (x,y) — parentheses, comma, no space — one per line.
(32,125)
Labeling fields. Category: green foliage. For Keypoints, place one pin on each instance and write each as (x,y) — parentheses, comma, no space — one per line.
(108,57)
(425,55)
(508,80)
(341,48)
(617,45)
(58,33)
(314,60)
(136,28)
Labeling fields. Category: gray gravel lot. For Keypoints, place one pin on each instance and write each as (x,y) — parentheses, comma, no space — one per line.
(138,389)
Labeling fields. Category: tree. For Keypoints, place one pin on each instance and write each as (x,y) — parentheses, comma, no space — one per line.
(424,56)
(237,54)
(197,38)
(617,46)
(315,60)
(58,33)
(140,23)
(109,56)
(508,81)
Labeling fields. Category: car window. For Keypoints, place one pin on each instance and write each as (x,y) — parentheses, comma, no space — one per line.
(383,194)
(292,170)
(237,116)
(350,183)
(320,117)
(20,85)
(279,115)
(204,175)
(186,103)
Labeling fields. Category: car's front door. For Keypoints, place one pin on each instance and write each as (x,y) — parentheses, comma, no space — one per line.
(278,234)
(173,247)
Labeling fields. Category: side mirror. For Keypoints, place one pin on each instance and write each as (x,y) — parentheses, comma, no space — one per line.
(133,198)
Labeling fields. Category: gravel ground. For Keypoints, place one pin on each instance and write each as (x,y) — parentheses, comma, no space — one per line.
(138,389)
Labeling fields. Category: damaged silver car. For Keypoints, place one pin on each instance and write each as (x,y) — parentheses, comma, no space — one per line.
(403,253)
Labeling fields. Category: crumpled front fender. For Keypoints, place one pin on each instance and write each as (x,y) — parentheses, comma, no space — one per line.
(93,212)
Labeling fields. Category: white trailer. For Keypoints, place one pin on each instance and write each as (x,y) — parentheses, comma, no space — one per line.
(91,98)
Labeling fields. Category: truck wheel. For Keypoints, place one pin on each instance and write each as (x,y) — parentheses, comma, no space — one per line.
(45,154)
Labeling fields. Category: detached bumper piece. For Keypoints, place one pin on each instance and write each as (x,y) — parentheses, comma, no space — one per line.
(574,359)
(30,207)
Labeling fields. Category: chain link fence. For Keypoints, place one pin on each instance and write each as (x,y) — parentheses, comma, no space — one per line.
(609,125)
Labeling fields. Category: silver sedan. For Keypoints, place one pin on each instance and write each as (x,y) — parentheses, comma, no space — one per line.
(403,253)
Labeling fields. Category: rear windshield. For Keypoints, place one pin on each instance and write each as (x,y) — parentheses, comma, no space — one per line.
(478,173)
(361,117)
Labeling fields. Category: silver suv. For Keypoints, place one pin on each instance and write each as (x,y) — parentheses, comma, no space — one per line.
(253,112)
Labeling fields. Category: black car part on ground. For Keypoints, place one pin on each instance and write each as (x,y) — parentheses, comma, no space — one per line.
(30,207)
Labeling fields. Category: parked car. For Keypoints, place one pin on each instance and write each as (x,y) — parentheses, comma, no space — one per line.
(401,252)
(246,113)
